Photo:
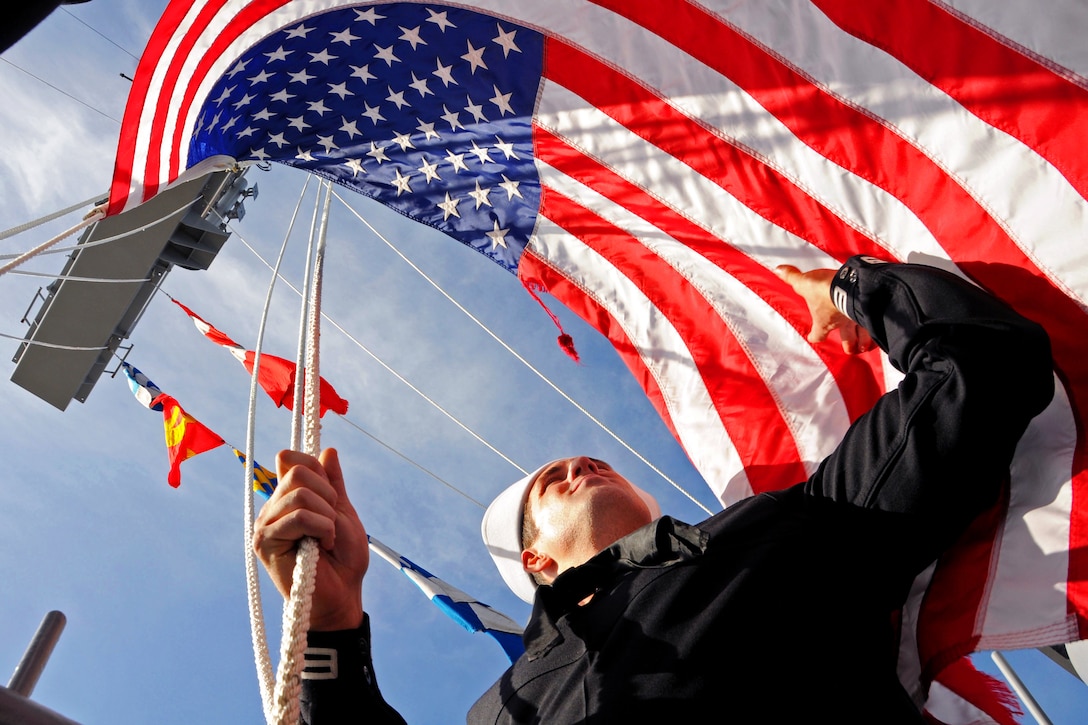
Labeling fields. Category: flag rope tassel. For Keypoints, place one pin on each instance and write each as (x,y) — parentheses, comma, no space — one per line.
(296,613)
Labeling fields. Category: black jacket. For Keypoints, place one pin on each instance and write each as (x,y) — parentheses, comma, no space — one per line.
(782,607)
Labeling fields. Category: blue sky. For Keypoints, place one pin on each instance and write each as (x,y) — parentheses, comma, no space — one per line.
(152,578)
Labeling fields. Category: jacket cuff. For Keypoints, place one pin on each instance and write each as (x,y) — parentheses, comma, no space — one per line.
(844,284)
(343,654)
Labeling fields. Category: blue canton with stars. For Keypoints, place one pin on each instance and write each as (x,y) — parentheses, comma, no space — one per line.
(428,111)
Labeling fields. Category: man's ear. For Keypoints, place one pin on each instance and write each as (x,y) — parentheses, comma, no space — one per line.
(535,562)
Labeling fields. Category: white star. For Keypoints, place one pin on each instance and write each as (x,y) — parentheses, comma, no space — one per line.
(244,101)
(299,32)
(502,100)
(427,129)
(429,170)
(279,54)
(511,188)
(229,124)
(278,139)
(340,89)
(259,154)
(397,98)
(362,72)
(350,128)
(401,182)
(420,85)
(247,132)
(298,123)
(451,118)
(412,36)
(403,140)
(238,68)
(215,121)
(373,113)
(477,111)
(458,161)
(282,96)
(475,58)
(482,154)
(369,15)
(263,115)
(322,57)
(506,40)
(506,148)
(386,54)
(304,155)
(225,94)
(318,107)
(260,77)
(356,167)
(480,195)
(498,236)
(378,153)
(301,77)
(448,207)
(439,19)
(326,141)
(444,73)
(344,36)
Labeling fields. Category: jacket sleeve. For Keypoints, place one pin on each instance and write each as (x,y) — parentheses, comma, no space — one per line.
(935,452)
(338,682)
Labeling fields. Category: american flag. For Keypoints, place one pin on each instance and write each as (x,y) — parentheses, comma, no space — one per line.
(650,162)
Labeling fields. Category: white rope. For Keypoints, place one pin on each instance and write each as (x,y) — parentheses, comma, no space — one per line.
(71,278)
(39,343)
(296,613)
(261,656)
(114,238)
(90,219)
(49,217)
(523,361)
(303,321)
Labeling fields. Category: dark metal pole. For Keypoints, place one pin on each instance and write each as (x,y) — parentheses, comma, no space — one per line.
(37,654)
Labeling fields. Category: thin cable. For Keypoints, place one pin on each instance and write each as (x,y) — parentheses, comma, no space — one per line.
(50,217)
(408,460)
(523,361)
(262,658)
(111,41)
(63,93)
(391,371)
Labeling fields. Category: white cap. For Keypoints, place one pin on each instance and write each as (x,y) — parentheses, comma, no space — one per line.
(501,531)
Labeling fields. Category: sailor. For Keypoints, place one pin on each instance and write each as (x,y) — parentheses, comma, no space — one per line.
(778,608)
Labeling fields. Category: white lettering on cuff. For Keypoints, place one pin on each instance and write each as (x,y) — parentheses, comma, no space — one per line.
(319,664)
(841,300)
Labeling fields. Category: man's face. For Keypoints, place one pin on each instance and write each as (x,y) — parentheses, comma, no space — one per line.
(581,506)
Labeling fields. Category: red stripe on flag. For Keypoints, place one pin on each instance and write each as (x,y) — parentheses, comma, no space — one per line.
(533,270)
(856,376)
(134,107)
(1004,87)
(960,224)
(760,187)
(170,81)
(754,422)
(239,24)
